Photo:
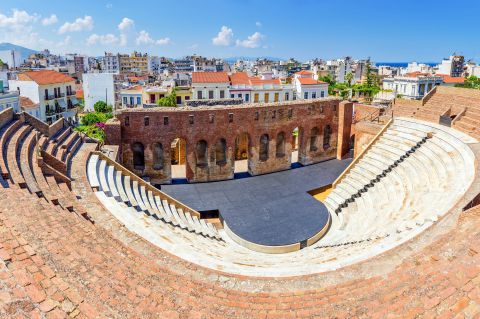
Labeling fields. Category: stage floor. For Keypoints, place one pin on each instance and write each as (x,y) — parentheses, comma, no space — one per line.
(272,209)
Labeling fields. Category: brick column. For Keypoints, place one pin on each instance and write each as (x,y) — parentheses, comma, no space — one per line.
(345,119)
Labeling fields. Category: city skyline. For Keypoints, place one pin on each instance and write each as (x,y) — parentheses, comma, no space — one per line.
(281,29)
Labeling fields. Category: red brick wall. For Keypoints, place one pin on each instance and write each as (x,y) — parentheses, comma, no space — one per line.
(364,134)
(55,127)
(345,119)
(6,116)
(212,123)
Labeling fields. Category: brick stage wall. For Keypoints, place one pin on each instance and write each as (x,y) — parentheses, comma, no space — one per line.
(213,123)
(6,116)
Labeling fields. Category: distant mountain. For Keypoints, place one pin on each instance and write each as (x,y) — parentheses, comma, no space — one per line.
(25,52)
(246,58)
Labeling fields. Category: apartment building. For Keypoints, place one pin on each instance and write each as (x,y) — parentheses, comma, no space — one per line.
(307,87)
(109,63)
(52,91)
(9,99)
(210,85)
(452,66)
(412,85)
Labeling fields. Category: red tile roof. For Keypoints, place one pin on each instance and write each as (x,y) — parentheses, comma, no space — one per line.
(210,77)
(45,77)
(240,78)
(258,81)
(304,72)
(26,103)
(451,79)
(309,81)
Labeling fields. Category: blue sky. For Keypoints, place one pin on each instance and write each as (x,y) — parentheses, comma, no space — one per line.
(407,30)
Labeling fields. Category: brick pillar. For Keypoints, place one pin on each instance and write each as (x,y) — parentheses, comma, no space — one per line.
(345,119)
(113,132)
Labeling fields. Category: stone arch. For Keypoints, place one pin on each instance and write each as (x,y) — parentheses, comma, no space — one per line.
(201,151)
(221,152)
(158,156)
(280,145)
(263,149)
(327,134)
(138,156)
(314,139)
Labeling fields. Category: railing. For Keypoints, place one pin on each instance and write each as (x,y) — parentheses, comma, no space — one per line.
(360,156)
(147,186)
(71,93)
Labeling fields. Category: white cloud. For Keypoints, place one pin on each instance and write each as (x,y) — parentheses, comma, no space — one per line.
(123,39)
(66,42)
(102,39)
(253,41)
(145,38)
(224,37)
(126,24)
(258,24)
(17,20)
(163,41)
(80,24)
(50,20)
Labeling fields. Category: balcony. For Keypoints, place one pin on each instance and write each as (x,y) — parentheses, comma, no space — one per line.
(49,97)
(71,93)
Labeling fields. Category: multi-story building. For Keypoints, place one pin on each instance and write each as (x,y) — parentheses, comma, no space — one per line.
(241,86)
(12,58)
(183,65)
(80,64)
(52,91)
(452,66)
(202,64)
(413,85)
(139,62)
(157,65)
(124,64)
(339,68)
(307,87)
(260,89)
(101,87)
(152,93)
(210,85)
(9,99)
(132,96)
(109,63)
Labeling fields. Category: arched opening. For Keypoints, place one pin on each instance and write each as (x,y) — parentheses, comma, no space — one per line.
(221,152)
(157,156)
(327,132)
(201,151)
(314,139)
(138,156)
(242,153)
(263,149)
(296,141)
(280,145)
(178,153)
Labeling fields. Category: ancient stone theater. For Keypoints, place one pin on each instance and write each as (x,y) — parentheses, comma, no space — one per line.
(246,211)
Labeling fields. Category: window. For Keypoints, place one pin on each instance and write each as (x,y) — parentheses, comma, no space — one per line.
(313,139)
(286,96)
(187,98)
(277,95)
(322,94)
(290,113)
(221,152)
(125,100)
(201,151)
(305,95)
(314,95)
(46,93)
(255,97)
(327,132)
(210,95)
(165,120)
(280,150)
(266,97)
(146,121)
(232,96)
(230,117)
(152,98)
(239,95)
(157,156)
(138,156)
(131,100)
(211,118)
(179,100)
(247,97)
(191,119)
(222,94)
(263,151)
(199,95)
(127,120)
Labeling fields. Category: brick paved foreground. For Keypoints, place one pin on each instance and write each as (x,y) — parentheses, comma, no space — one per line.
(55,265)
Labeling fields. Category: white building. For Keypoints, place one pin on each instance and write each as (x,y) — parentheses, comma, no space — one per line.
(413,67)
(339,68)
(9,99)
(52,91)
(11,57)
(210,85)
(412,86)
(307,87)
(109,63)
(452,66)
(99,87)
(260,89)
(132,96)
(157,64)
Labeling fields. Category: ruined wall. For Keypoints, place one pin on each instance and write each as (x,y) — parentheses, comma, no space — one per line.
(210,124)
(364,134)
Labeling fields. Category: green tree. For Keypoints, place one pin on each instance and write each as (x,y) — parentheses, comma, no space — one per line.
(472,82)
(102,107)
(349,78)
(169,100)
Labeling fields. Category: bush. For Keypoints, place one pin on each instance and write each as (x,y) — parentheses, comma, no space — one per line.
(93,118)
(102,107)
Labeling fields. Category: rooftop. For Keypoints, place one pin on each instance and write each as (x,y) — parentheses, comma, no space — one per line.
(45,77)
(309,81)
(210,77)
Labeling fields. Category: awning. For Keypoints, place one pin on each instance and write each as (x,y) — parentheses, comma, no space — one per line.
(62,103)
